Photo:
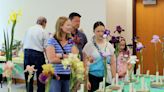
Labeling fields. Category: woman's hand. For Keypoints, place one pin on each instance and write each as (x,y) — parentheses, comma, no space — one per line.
(60,55)
(65,56)
(88,85)
(90,59)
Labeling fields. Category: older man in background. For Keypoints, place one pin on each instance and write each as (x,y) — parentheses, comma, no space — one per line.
(34,44)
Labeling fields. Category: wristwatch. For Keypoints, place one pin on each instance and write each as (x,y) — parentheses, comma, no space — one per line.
(62,56)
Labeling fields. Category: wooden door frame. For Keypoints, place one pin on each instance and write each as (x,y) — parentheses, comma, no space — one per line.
(134,29)
(134,26)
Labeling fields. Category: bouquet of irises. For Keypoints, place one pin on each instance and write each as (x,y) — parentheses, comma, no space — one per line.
(77,70)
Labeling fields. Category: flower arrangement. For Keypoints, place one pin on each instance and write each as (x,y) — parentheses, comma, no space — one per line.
(77,70)
(9,69)
(104,54)
(30,70)
(115,39)
(155,40)
(46,75)
(139,48)
(9,43)
(132,60)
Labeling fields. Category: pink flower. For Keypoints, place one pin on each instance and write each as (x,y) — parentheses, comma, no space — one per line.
(155,39)
(30,69)
(7,68)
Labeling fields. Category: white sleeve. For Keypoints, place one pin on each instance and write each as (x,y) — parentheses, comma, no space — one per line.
(87,49)
(45,38)
(111,48)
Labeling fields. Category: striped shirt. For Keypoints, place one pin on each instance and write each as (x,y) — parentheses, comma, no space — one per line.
(58,49)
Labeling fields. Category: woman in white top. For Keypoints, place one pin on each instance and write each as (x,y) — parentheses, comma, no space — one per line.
(94,49)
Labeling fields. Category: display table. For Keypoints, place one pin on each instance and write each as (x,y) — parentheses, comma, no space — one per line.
(19,61)
(147,81)
(137,86)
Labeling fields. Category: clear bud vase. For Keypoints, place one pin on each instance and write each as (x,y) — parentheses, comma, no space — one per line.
(9,81)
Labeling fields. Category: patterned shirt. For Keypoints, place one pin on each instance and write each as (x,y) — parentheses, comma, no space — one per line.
(81,44)
(58,49)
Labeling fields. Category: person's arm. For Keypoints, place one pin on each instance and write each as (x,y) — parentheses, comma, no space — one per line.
(113,66)
(85,40)
(86,72)
(52,56)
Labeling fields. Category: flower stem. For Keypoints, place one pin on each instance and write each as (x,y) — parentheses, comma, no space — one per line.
(105,73)
(141,61)
(48,85)
(12,37)
(28,86)
(156,61)
(9,81)
(117,53)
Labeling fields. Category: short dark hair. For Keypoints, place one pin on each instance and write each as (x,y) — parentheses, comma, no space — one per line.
(98,23)
(74,14)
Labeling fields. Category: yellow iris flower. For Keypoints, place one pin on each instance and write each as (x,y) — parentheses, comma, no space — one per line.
(48,69)
(14,15)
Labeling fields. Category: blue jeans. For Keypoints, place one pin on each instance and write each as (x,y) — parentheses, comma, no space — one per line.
(59,85)
(32,57)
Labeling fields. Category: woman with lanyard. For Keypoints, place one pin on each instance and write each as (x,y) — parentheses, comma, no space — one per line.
(94,50)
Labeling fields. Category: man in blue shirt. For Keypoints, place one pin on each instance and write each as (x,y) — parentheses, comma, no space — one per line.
(78,37)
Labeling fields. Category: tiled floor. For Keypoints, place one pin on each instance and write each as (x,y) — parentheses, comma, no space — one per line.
(15,88)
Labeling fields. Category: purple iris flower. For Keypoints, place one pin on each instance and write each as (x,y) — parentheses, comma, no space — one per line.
(70,41)
(155,39)
(119,29)
(135,39)
(106,33)
(114,39)
(139,46)
(43,78)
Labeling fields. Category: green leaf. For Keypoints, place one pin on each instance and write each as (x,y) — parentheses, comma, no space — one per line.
(1,70)
(6,46)
(12,37)
(47,88)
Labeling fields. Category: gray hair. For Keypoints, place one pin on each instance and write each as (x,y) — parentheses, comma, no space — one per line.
(41,20)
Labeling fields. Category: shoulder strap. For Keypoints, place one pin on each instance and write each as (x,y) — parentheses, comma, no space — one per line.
(61,46)
(98,49)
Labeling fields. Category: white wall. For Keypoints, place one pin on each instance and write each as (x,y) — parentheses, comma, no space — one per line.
(91,11)
(119,12)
